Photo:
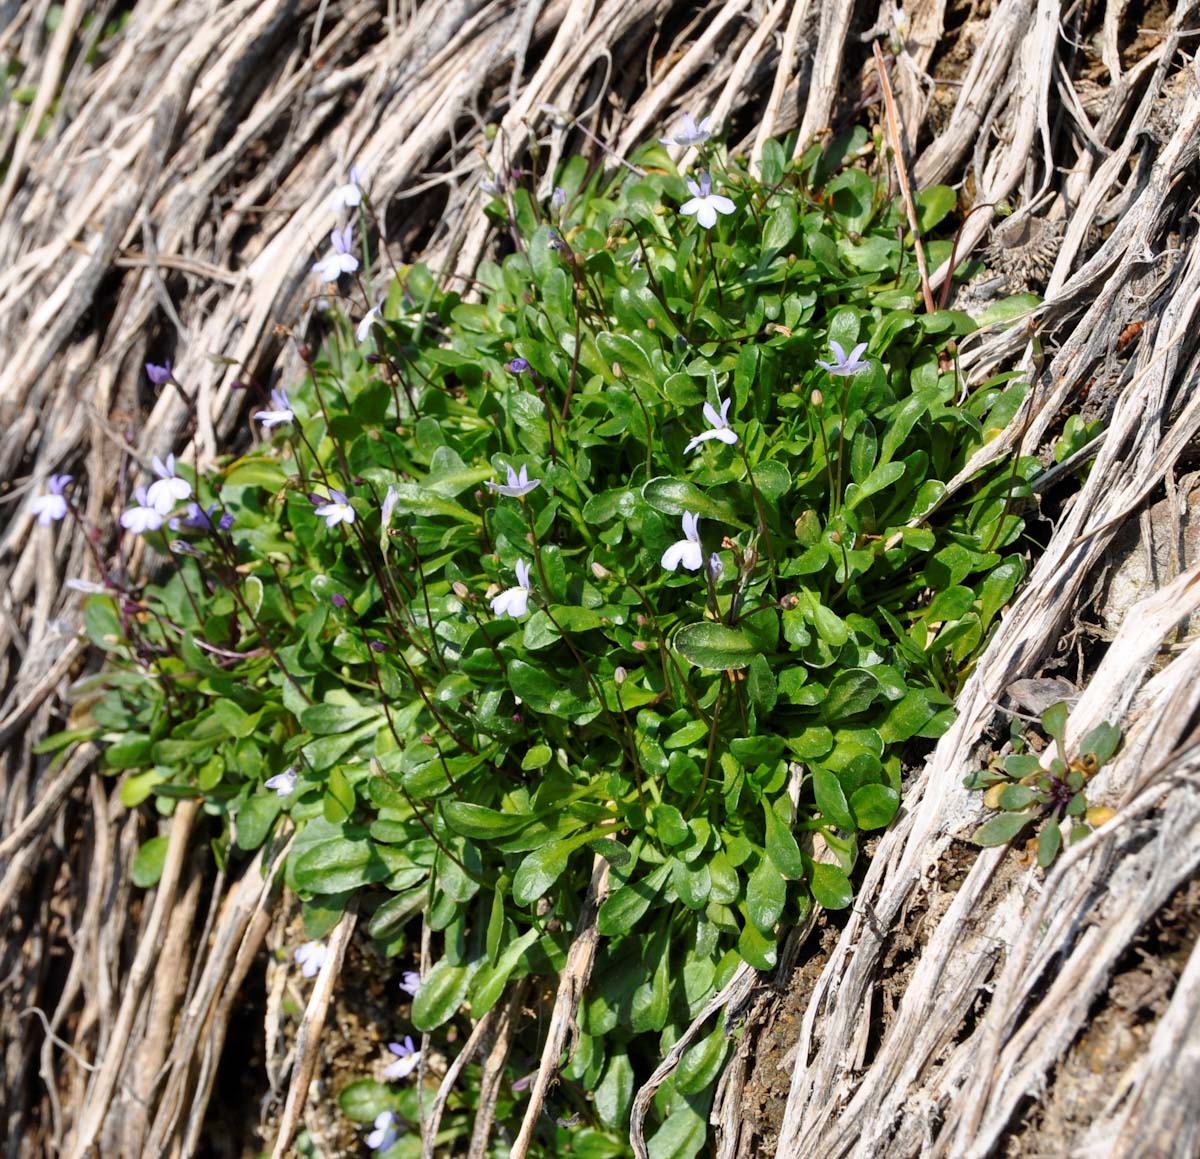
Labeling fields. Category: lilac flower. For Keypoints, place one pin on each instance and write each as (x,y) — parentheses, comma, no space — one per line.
(310,957)
(410,982)
(52,506)
(718,426)
(691,133)
(407,1057)
(284,785)
(518,366)
(142,518)
(704,204)
(341,261)
(200,520)
(517,485)
(492,186)
(385,1134)
(558,198)
(715,567)
(514,601)
(388,509)
(843,364)
(168,489)
(348,196)
(338,600)
(159,375)
(337,510)
(281,414)
(374,315)
(686,550)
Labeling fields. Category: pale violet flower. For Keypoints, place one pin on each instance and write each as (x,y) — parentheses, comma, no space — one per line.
(704,203)
(718,423)
(168,489)
(283,783)
(52,506)
(514,601)
(715,568)
(385,1134)
(517,485)
(389,506)
(686,551)
(407,1057)
(558,198)
(142,518)
(363,330)
(310,957)
(281,414)
(348,196)
(691,133)
(410,982)
(337,510)
(844,364)
(159,375)
(341,261)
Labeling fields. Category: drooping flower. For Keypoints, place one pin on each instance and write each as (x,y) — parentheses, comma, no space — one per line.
(52,506)
(407,1058)
(281,414)
(514,601)
(410,982)
(348,196)
(200,520)
(517,485)
(715,567)
(159,375)
(704,204)
(341,261)
(843,364)
(168,489)
(337,510)
(558,198)
(389,506)
(686,551)
(310,957)
(284,785)
(718,423)
(142,518)
(385,1134)
(374,315)
(691,133)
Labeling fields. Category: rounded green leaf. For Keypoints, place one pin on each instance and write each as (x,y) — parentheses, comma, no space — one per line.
(148,862)
(874,806)
(1002,828)
(830,886)
(440,995)
(709,645)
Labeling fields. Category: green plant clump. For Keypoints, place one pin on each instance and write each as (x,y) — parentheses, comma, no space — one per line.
(693,660)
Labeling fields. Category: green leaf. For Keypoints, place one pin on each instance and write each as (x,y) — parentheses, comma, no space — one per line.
(441,994)
(1049,843)
(1006,309)
(363,1100)
(709,645)
(345,859)
(614,1095)
(1002,828)
(481,823)
(1101,742)
(831,799)
(781,226)
(1016,797)
(1054,720)
(852,691)
(490,981)
(782,848)
(933,204)
(874,806)
(255,818)
(148,862)
(761,687)
(540,870)
(675,496)
(831,887)
(256,471)
(625,907)
(766,894)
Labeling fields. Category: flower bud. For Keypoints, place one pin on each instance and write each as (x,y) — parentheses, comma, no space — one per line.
(373,360)
(789,602)
(378,646)
(600,571)
(817,398)
(620,676)
(338,600)
(305,352)
(640,645)
(461,590)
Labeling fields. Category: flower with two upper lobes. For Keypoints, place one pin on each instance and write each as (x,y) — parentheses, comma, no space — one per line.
(686,551)
(718,424)
(341,260)
(514,601)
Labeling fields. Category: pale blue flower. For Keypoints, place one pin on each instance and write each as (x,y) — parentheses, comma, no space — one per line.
(281,414)
(719,426)
(168,489)
(341,261)
(310,957)
(348,196)
(52,506)
(385,1134)
(410,982)
(407,1058)
(142,518)
(283,783)
(691,133)
(336,510)
(686,551)
(518,484)
(514,601)
(704,203)
(843,364)
(372,317)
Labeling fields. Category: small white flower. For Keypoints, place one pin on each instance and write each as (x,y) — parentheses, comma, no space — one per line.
(719,426)
(407,1058)
(845,364)
(517,485)
(686,551)
(168,489)
(283,783)
(385,1134)
(389,506)
(514,601)
(310,957)
(281,414)
(348,196)
(142,518)
(341,261)
(363,330)
(52,506)
(337,510)
(410,982)
(691,133)
(704,203)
